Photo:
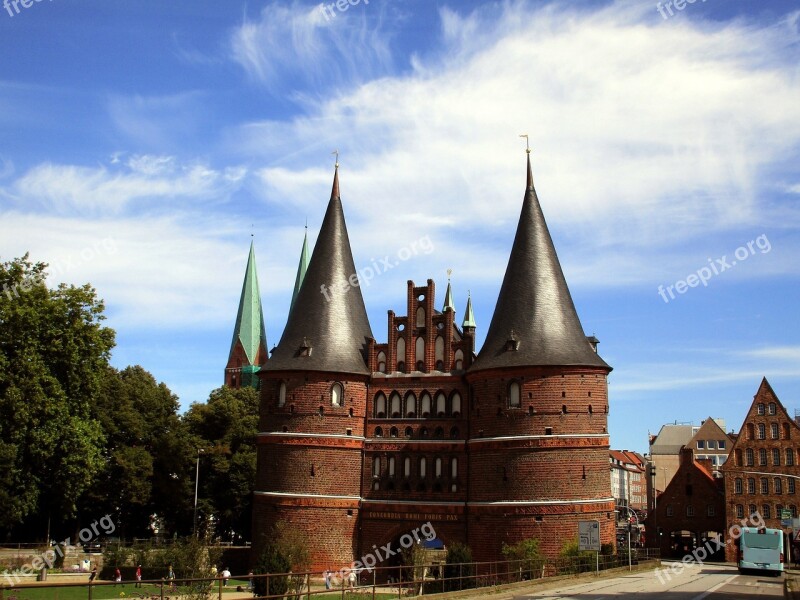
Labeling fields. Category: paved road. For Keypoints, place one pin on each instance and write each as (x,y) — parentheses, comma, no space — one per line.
(696,582)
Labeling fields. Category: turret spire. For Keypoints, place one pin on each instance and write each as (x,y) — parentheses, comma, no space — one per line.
(301,268)
(469,316)
(448,295)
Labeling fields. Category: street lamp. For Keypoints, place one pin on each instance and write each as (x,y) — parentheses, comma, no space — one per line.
(631,512)
(196,485)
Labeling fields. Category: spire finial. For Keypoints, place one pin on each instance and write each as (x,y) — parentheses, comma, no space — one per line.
(336,152)
(527,143)
(251,231)
(449,272)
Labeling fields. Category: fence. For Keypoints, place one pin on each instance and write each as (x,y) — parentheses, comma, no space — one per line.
(380,583)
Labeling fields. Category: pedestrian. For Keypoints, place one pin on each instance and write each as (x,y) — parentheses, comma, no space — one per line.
(93,575)
(117,577)
(351,579)
(171,578)
(326,575)
(226,575)
(250,581)
(139,576)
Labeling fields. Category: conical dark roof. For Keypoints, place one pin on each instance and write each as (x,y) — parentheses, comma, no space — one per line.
(328,327)
(535,322)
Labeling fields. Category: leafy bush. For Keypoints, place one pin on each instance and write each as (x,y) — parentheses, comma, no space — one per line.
(457,554)
(271,561)
(528,556)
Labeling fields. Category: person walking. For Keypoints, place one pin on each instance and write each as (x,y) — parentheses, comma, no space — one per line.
(226,575)
(93,575)
(138,576)
(327,577)
(118,577)
(171,578)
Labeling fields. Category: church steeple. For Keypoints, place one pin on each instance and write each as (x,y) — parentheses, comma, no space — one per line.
(301,269)
(534,322)
(469,316)
(328,329)
(249,344)
(448,296)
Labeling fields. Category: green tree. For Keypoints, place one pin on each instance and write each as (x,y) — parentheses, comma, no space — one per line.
(271,561)
(528,557)
(53,351)
(226,425)
(458,570)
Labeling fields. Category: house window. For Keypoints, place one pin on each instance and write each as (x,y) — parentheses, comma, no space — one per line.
(337,395)
(772,408)
(740,511)
(710,510)
(423,467)
(391,466)
(752,509)
(776,457)
(766,511)
(790,486)
(437,467)
(762,431)
(764,485)
(282,394)
(749,457)
(778,483)
(669,510)
(762,457)
(751,485)
(790,457)
(760,408)
(441,405)
(701,444)
(454,468)
(394,406)
(514,395)
(406,467)
(411,406)
(378,432)
(380,406)
(712,444)
(690,511)
(721,444)
(774,430)
(376,466)
(737,486)
(425,408)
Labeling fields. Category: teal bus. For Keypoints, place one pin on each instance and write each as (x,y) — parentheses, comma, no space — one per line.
(761,549)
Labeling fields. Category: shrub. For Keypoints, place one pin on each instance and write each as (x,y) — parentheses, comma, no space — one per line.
(271,561)
(457,555)
(530,560)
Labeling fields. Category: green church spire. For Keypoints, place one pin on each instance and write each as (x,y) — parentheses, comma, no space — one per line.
(249,344)
(469,316)
(301,269)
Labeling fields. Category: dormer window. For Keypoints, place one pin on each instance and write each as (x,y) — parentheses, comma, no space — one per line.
(305,348)
(512,344)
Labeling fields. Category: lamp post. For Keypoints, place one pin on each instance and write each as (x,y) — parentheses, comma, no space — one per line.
(196,486)
(631,512)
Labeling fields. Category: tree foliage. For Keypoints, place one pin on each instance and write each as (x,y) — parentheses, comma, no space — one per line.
(528,555)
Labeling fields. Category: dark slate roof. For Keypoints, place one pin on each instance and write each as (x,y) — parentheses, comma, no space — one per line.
(326,333)
(534,310)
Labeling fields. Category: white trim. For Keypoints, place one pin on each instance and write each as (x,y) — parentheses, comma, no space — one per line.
(539,502)
(342,436)
(414,502)
(292,495)
(537,437)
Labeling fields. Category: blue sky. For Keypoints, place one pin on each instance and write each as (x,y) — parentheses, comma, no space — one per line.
(141,143)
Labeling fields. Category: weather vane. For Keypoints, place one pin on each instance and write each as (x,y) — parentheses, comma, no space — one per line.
(336,152)
(527,143)
(449,272)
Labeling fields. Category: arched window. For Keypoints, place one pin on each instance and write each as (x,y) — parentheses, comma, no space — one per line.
(282,394)
(751,485)
(454,468)
(409,432)
(514,395)
(778,483)
(764,486)
(749,459)
(390,466)
(401,354)
(776,457)
(425,405)
(454,433)
(752,509)
(762,431)
(411,405)
(406,467)
(420,317)
(459,360)
(423,467)
(382,361)
(762,457)
(772,408)
(766,511)
(441,402)
(774,430)
(455,402)
(378,432)
(760,408)
(380,406)
(419,353)
(394,406)
(439,350)
(393,432)
(438,433)
(737,488)
(337,395)
(423,433)
(740,511)
(376,466)
(376,485)
(437,466)
(790,457)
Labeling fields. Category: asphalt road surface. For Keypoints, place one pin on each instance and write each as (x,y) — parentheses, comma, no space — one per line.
(695,582)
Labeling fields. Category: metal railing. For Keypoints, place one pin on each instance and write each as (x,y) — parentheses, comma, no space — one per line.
(379,583)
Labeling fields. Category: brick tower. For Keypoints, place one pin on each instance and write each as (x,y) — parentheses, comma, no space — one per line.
(313,402)
(249,345)
(538,439)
